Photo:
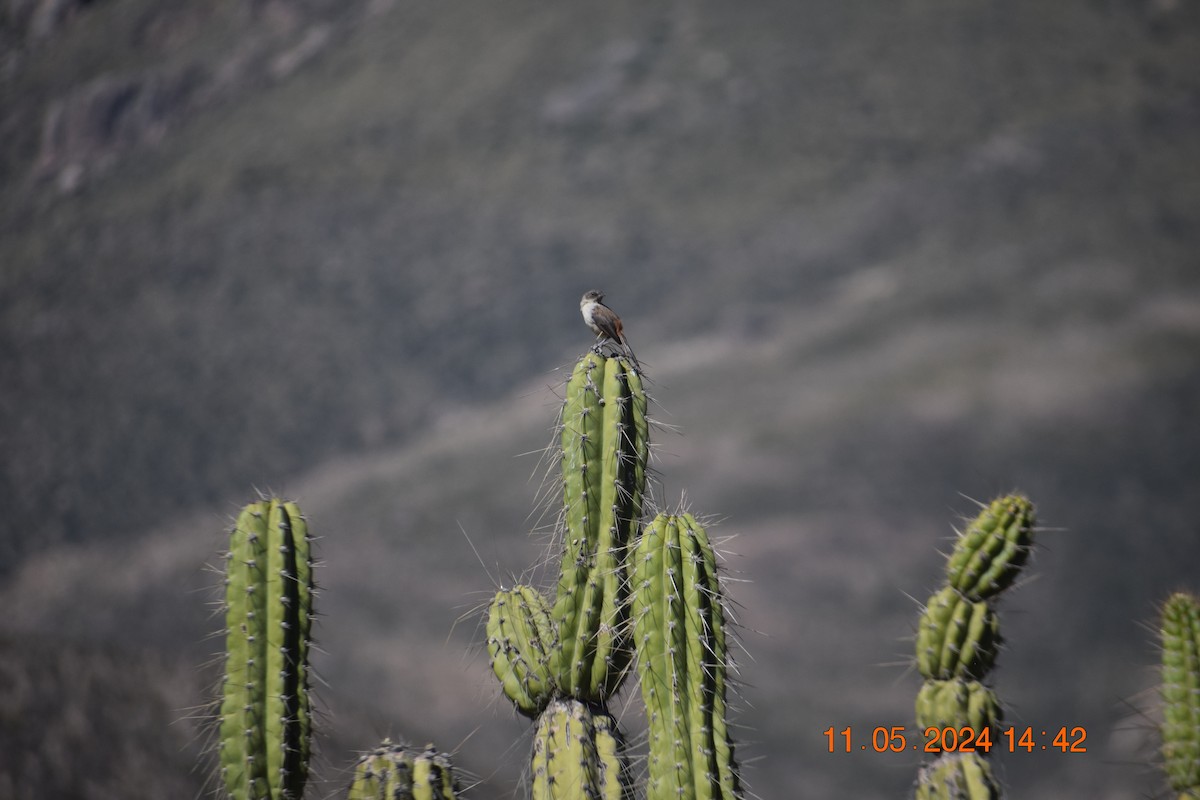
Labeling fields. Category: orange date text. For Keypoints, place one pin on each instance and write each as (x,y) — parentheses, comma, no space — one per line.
(898,739)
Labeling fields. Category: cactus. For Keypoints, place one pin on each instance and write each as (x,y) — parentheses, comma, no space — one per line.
(679,635)
(958,639)
(577,755)
(604,454)
(520,639)
(957,704)
(557,662)
(610,753)
(1181,694)
(265,722)
(993,548)
(957,776)
(394,771)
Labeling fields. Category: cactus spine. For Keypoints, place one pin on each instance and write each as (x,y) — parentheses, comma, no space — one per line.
(577,753)
(394,771)
(604,453)
(679,634)
(1181,694)
(265,710)
(958,638)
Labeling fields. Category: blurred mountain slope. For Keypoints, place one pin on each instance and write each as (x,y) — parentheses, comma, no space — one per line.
(350,232)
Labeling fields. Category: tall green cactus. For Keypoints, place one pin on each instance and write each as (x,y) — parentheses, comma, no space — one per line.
(395,771)
(679,636)
(265,723)
(958,639)
(560,663)
(1181,694)
(604,456)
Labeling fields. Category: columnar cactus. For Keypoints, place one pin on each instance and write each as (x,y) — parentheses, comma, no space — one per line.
(619,594)
(1181,694)
(679,636)
(604,454)
(561,663)
(394,771)
(958,639)
(578,755)
(265,722)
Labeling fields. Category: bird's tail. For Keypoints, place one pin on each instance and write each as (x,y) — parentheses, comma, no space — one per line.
(629,352)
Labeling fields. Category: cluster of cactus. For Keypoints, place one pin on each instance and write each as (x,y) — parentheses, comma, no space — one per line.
(1180,636)
(627,594)
(958,639)
(266,710)
(623,593)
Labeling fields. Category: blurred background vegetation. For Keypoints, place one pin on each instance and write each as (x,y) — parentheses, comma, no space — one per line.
(880,259)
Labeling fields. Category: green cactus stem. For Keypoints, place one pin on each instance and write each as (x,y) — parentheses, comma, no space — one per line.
(520,639)
(957,776)
(993,548)
(679,637)
(615,781)
(604,455)
(957,704)
(395,772)
(578,755)
(958,640)
(265,725)
(1181,694)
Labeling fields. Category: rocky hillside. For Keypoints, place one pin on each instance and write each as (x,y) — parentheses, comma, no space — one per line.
(877,257)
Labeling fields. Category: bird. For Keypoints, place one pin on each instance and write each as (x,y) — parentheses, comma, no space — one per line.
(605,323)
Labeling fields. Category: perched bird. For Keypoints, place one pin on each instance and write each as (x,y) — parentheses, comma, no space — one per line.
(605,323)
